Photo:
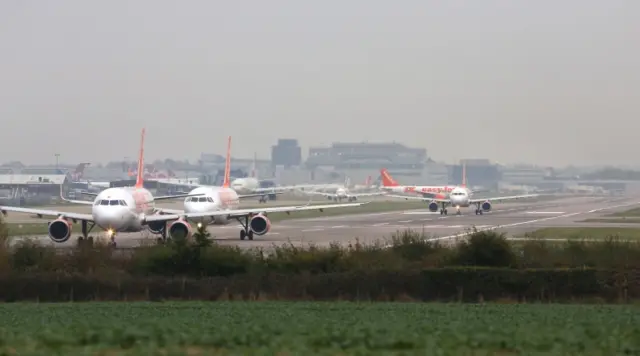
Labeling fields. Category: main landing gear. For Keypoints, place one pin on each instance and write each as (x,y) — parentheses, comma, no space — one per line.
(478,210)
(85,239)
(246,231)
(163,235)
(443,211)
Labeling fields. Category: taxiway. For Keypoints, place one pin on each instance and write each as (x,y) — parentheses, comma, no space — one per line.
(514,218)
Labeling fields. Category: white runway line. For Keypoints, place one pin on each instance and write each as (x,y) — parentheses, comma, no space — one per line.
(545,212)
(381,224)
(528,222)
(405,221)
(311,230)
(338,226)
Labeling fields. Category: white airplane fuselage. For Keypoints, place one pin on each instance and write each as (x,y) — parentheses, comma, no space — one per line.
(122,209)
(214,199)
(245,185)
(460,197)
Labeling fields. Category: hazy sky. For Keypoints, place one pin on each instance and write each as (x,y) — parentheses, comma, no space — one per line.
(549,82)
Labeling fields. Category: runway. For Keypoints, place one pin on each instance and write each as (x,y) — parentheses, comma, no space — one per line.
(513,218)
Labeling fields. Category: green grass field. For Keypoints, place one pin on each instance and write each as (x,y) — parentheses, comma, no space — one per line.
(306,328)
(40,228)
(624,220)
(635,212)
(597,233)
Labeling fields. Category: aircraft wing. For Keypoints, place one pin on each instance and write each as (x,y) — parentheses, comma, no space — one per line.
(48,213)
(510,197)
(437,200)
(253,195)
(324,194)
(358,195)
(89,194)
(167,197)
(251,211)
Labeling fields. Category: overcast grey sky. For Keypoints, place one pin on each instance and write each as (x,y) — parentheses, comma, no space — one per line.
(549,82)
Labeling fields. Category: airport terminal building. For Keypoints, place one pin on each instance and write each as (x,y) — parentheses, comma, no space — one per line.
(361,160)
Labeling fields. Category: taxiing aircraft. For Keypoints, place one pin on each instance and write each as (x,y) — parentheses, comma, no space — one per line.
(462,197)
(127,209)
(389,184)
(218,205)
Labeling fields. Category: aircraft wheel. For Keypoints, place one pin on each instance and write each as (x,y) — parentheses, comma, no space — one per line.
(243,234)
(90,240)
(250,235)
(159,241)
(112,244)
(477,212)
(480,212)
(445,212)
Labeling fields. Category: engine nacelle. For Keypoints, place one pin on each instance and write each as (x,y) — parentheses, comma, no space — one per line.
(486,206)
(180,229)
(260,224)
(157,227)
(433,206)
(60,230)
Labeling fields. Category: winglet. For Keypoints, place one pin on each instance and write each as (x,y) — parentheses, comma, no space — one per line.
(464,174)
(140,177)
(227,166)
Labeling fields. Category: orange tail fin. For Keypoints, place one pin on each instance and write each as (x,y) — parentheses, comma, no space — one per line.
(387,180)
(464,174)
(227,166)
(140,176)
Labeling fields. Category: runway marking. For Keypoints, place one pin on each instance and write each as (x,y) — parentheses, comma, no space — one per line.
(405,221)
(338,226)
(545,212)
(420,213)
(527,222)
(381,224)
(426,219)
(311,230)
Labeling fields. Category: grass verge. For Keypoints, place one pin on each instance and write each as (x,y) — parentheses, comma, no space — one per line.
(311,328)
(576,233)
(635,212)
(613,220)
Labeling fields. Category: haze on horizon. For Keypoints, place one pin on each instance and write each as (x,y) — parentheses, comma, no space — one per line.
(512,81)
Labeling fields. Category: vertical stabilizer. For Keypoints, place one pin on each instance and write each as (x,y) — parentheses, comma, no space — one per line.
(387,180)
(140,176)
(253,166)
(464,174)
(227,166)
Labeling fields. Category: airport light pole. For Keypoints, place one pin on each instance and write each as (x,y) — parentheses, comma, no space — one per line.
(57,157)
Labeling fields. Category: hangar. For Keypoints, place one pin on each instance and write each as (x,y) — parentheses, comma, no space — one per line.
(31,189)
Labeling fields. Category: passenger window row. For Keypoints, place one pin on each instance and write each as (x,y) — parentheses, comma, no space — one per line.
(111,202)
(199,199)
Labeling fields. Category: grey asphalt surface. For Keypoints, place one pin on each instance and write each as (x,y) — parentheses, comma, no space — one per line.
(515,218)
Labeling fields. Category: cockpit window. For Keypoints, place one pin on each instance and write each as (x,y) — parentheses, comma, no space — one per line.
(104,202)
(114,202)
(210,199)
(202,199)
(122,202)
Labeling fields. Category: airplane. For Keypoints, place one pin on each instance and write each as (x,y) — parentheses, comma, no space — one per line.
(389,184)
(127,209)
(462,197)
(251,185)
(218,205)
(344,193)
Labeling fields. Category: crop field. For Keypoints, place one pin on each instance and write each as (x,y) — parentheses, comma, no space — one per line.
(305,328)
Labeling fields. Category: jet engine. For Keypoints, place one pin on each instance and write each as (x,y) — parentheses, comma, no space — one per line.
(433,206)
(157,227)
(260,224)
(180,228)
(60,230)
(486,206)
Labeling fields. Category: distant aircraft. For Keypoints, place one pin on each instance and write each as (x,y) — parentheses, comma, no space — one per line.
(462,197)
(217,205)
(251,185)
(128,209)
(389,184)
